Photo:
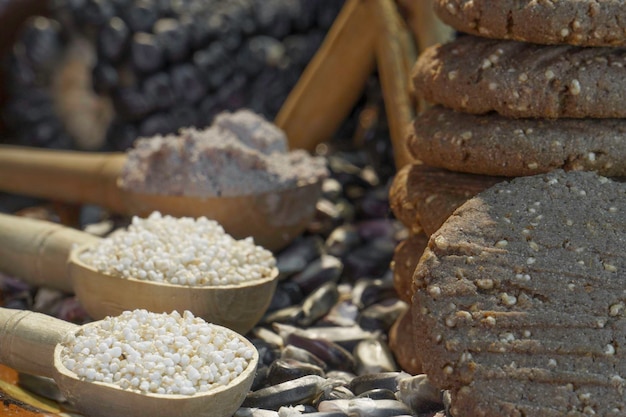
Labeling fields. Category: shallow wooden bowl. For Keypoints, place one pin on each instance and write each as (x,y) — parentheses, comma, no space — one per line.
(97,399)
(238,306)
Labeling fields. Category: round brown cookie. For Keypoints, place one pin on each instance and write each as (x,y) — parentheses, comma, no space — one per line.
(521,299)
(402,346)
(422,197)
(519,79)
(404,197)
(495,145)
(574,22)
(405,258)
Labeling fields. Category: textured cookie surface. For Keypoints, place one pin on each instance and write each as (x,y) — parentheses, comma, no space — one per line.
(518,79)
(495,145)
(575,22)
(521,299)
(422,197)
(402,346)
(405,258)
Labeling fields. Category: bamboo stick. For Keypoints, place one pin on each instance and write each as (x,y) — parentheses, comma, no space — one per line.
(427,29)
(393,54)
(68,176)
(333,81)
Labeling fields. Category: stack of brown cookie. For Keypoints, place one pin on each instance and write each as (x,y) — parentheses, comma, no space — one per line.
(529,88)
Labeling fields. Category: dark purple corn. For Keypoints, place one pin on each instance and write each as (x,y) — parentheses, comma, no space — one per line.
(157,65)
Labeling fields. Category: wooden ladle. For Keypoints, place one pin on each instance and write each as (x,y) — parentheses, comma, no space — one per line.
(47,254)
(32,342)
(273,219)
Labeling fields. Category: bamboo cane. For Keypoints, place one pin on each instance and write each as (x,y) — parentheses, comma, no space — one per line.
(333,81)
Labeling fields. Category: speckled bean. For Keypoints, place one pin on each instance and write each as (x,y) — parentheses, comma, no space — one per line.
(297,391)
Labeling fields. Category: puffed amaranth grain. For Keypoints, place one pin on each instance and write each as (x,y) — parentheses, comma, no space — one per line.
(521,299)
(574,22)
(495,145)
(422,197)
(518,79)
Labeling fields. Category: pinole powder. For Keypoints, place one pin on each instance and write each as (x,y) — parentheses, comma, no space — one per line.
(156,353)
(241,153)
(182,251)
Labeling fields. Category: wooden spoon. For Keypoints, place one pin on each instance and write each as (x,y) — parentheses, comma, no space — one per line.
(273,219)
(47,254)
(31,342)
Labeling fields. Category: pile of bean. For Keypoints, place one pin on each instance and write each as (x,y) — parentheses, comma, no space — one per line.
(323,343)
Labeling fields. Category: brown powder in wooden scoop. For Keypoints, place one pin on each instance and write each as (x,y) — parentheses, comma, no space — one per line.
(240,153)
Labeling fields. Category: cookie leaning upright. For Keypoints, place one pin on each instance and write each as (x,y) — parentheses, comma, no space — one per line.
(521,298)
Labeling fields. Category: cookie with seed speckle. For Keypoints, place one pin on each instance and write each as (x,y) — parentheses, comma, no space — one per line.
(405,258)
(520,299)
(518,79)
(402,346)
(575,22)
(422,197)
(496,145)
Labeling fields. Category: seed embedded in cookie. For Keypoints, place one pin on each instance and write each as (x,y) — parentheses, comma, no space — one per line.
(533,326)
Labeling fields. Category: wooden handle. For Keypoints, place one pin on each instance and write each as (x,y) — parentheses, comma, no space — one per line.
(333,80)
(427,29)
(37,251)
(395,55)
(70,176)
(28,339)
